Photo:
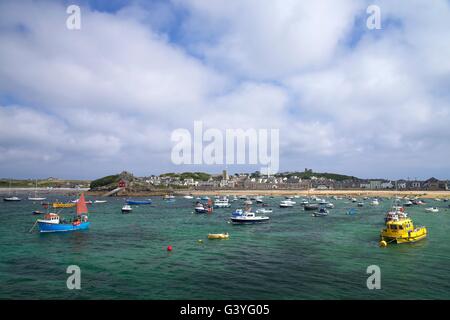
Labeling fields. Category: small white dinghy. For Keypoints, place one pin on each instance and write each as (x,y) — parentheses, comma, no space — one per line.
(432,209)
(127,208)
(264,210)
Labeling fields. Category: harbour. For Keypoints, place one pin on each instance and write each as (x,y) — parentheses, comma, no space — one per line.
(294,256)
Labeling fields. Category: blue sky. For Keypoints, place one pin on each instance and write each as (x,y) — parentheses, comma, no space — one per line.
(106,98)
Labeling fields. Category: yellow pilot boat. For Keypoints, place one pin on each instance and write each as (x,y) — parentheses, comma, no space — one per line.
(401,231)
(218,236)
(63,205)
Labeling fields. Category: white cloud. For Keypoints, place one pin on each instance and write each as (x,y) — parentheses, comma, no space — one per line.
(270,39)
(112,92)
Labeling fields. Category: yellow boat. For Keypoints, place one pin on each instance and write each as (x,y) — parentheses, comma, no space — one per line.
(402,231)
(218,236)
(63,205)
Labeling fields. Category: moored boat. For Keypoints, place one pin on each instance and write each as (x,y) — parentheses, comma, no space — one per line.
(139,202)
(63,205)
(203,208)
(311,206)
(264,210)
(127,208)
(36,198)
(222,203)
(246,217)
(321,213)
(286,204)
(401,231)
(432,209)
(12,199)
(52,222)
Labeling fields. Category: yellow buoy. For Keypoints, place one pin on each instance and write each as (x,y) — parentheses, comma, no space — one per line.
(383,243)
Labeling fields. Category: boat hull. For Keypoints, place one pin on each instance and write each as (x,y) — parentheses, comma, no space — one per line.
(413,236)
(46,227)
(248,221)
(136,202)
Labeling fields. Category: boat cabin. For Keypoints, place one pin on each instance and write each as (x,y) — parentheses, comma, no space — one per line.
(51,218)
(404,225)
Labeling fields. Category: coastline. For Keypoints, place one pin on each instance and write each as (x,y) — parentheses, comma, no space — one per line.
(426,194)
(370,193)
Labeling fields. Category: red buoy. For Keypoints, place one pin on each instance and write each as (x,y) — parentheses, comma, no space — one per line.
(169,248)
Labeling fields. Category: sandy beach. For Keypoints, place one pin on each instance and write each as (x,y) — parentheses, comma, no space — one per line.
(368,193)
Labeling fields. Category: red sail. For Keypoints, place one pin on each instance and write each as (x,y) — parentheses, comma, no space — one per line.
(81,205)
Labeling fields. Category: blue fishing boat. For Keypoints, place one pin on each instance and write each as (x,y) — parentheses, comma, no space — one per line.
(137,202)
(53,223)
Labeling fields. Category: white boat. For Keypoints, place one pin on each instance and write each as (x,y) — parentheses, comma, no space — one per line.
(87,202)
(12,199)
(432,209)
(248,202)
(264,210)
(222,203)
(36,198)
(408,203)
(100,201)
(286,204)
(321,213)
(375,202)
(360,204)
(329,205)
(188,197)
(245,217)
(259,199)
(127,208)
(395,214)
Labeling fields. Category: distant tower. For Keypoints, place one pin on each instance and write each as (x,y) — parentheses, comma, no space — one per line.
(225,175)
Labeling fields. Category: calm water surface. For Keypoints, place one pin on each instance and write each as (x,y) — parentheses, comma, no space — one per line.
(295,256)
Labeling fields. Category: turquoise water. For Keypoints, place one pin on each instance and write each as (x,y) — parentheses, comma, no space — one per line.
(295,256)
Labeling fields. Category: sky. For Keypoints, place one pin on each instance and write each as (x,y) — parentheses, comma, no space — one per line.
(373,103)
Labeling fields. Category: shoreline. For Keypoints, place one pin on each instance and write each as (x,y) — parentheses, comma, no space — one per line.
(222,192)
(370,193)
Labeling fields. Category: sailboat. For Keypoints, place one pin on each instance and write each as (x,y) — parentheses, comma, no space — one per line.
(9,198)
(53,223)
(36,198)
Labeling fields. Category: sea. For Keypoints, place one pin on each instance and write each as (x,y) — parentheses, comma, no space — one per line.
(294,256)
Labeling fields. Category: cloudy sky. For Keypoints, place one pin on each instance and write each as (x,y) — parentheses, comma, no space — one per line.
(106,98)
